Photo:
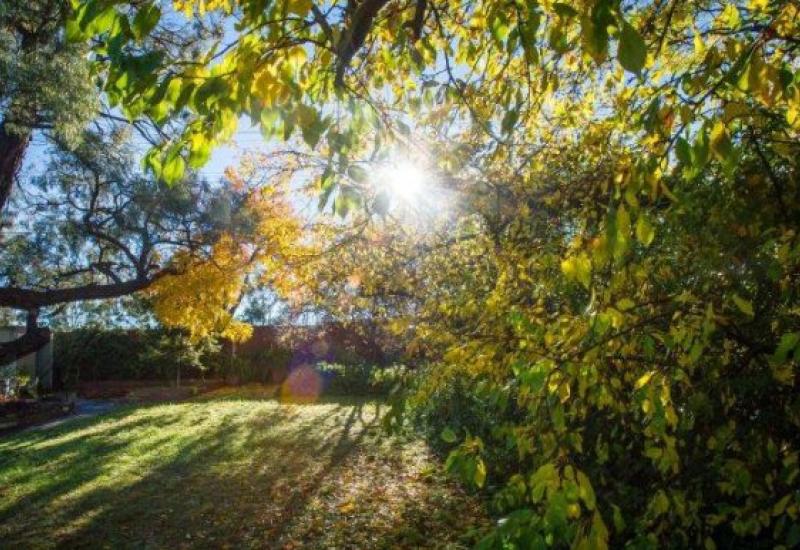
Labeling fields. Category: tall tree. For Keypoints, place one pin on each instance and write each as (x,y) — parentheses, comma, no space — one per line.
(45,84)
(92,226)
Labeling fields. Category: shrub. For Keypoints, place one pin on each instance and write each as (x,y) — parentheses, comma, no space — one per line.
(92,354)
(359,379)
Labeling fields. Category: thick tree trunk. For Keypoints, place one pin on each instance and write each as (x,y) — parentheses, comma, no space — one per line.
(12,151)
(34,339)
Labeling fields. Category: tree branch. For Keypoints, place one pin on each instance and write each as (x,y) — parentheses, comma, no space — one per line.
(27,299)
(355,34)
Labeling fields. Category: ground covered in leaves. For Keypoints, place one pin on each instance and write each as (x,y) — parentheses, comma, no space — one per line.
(230,469)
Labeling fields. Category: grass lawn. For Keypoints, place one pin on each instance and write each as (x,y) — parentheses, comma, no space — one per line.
(234,469)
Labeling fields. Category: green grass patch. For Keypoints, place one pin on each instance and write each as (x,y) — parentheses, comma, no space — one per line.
(235,469)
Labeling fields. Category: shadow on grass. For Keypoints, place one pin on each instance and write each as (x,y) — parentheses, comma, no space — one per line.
(223,470)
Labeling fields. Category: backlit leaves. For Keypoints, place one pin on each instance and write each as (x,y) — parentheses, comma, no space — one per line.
(578,268)
(145,20)
(632,52)
(645,232)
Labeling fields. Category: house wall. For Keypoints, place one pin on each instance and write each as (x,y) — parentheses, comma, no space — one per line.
(37,365)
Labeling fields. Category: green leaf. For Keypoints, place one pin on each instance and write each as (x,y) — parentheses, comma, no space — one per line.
(558,39)
(74,32)
(382,202)
(449,436)
(565,10)
(722,146)
(781,505)
(744,305)
(586,491)
(632,52)
(174,168)
(311,126)
(145,21)
(660,503)
(499,27)
(509,120)
(544,479)
(599,533)
(327,184)
(644,230)
(622,223)
(152,162)
(683,152)
(199,151)
(270,122)
(594,39)
(594,31)
(209,93)
(535,377)
(738,68)
(98,20)
(347,199)
(619,521)
(787,343)
(357,173)
(529,27)
(625,304)
(700,151)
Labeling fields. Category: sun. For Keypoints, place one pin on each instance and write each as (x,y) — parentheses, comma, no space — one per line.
(406,180)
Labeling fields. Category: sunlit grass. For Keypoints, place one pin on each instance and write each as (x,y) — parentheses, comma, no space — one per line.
(235,468)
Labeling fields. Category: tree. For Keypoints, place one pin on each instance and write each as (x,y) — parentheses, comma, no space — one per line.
(93,227)
(173,350)
(47,90)
(45,84)
(203,297)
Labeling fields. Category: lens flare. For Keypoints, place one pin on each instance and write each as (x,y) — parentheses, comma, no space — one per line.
(303,385)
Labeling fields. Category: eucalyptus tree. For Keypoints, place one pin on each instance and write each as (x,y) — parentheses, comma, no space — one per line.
(45,84)
(92,226)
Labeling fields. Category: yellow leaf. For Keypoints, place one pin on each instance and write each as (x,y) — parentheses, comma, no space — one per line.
(480,472)
(644,379)
(298,7)
(780,506)
(721,145)
(578,268)
(347,507)
(744,305)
